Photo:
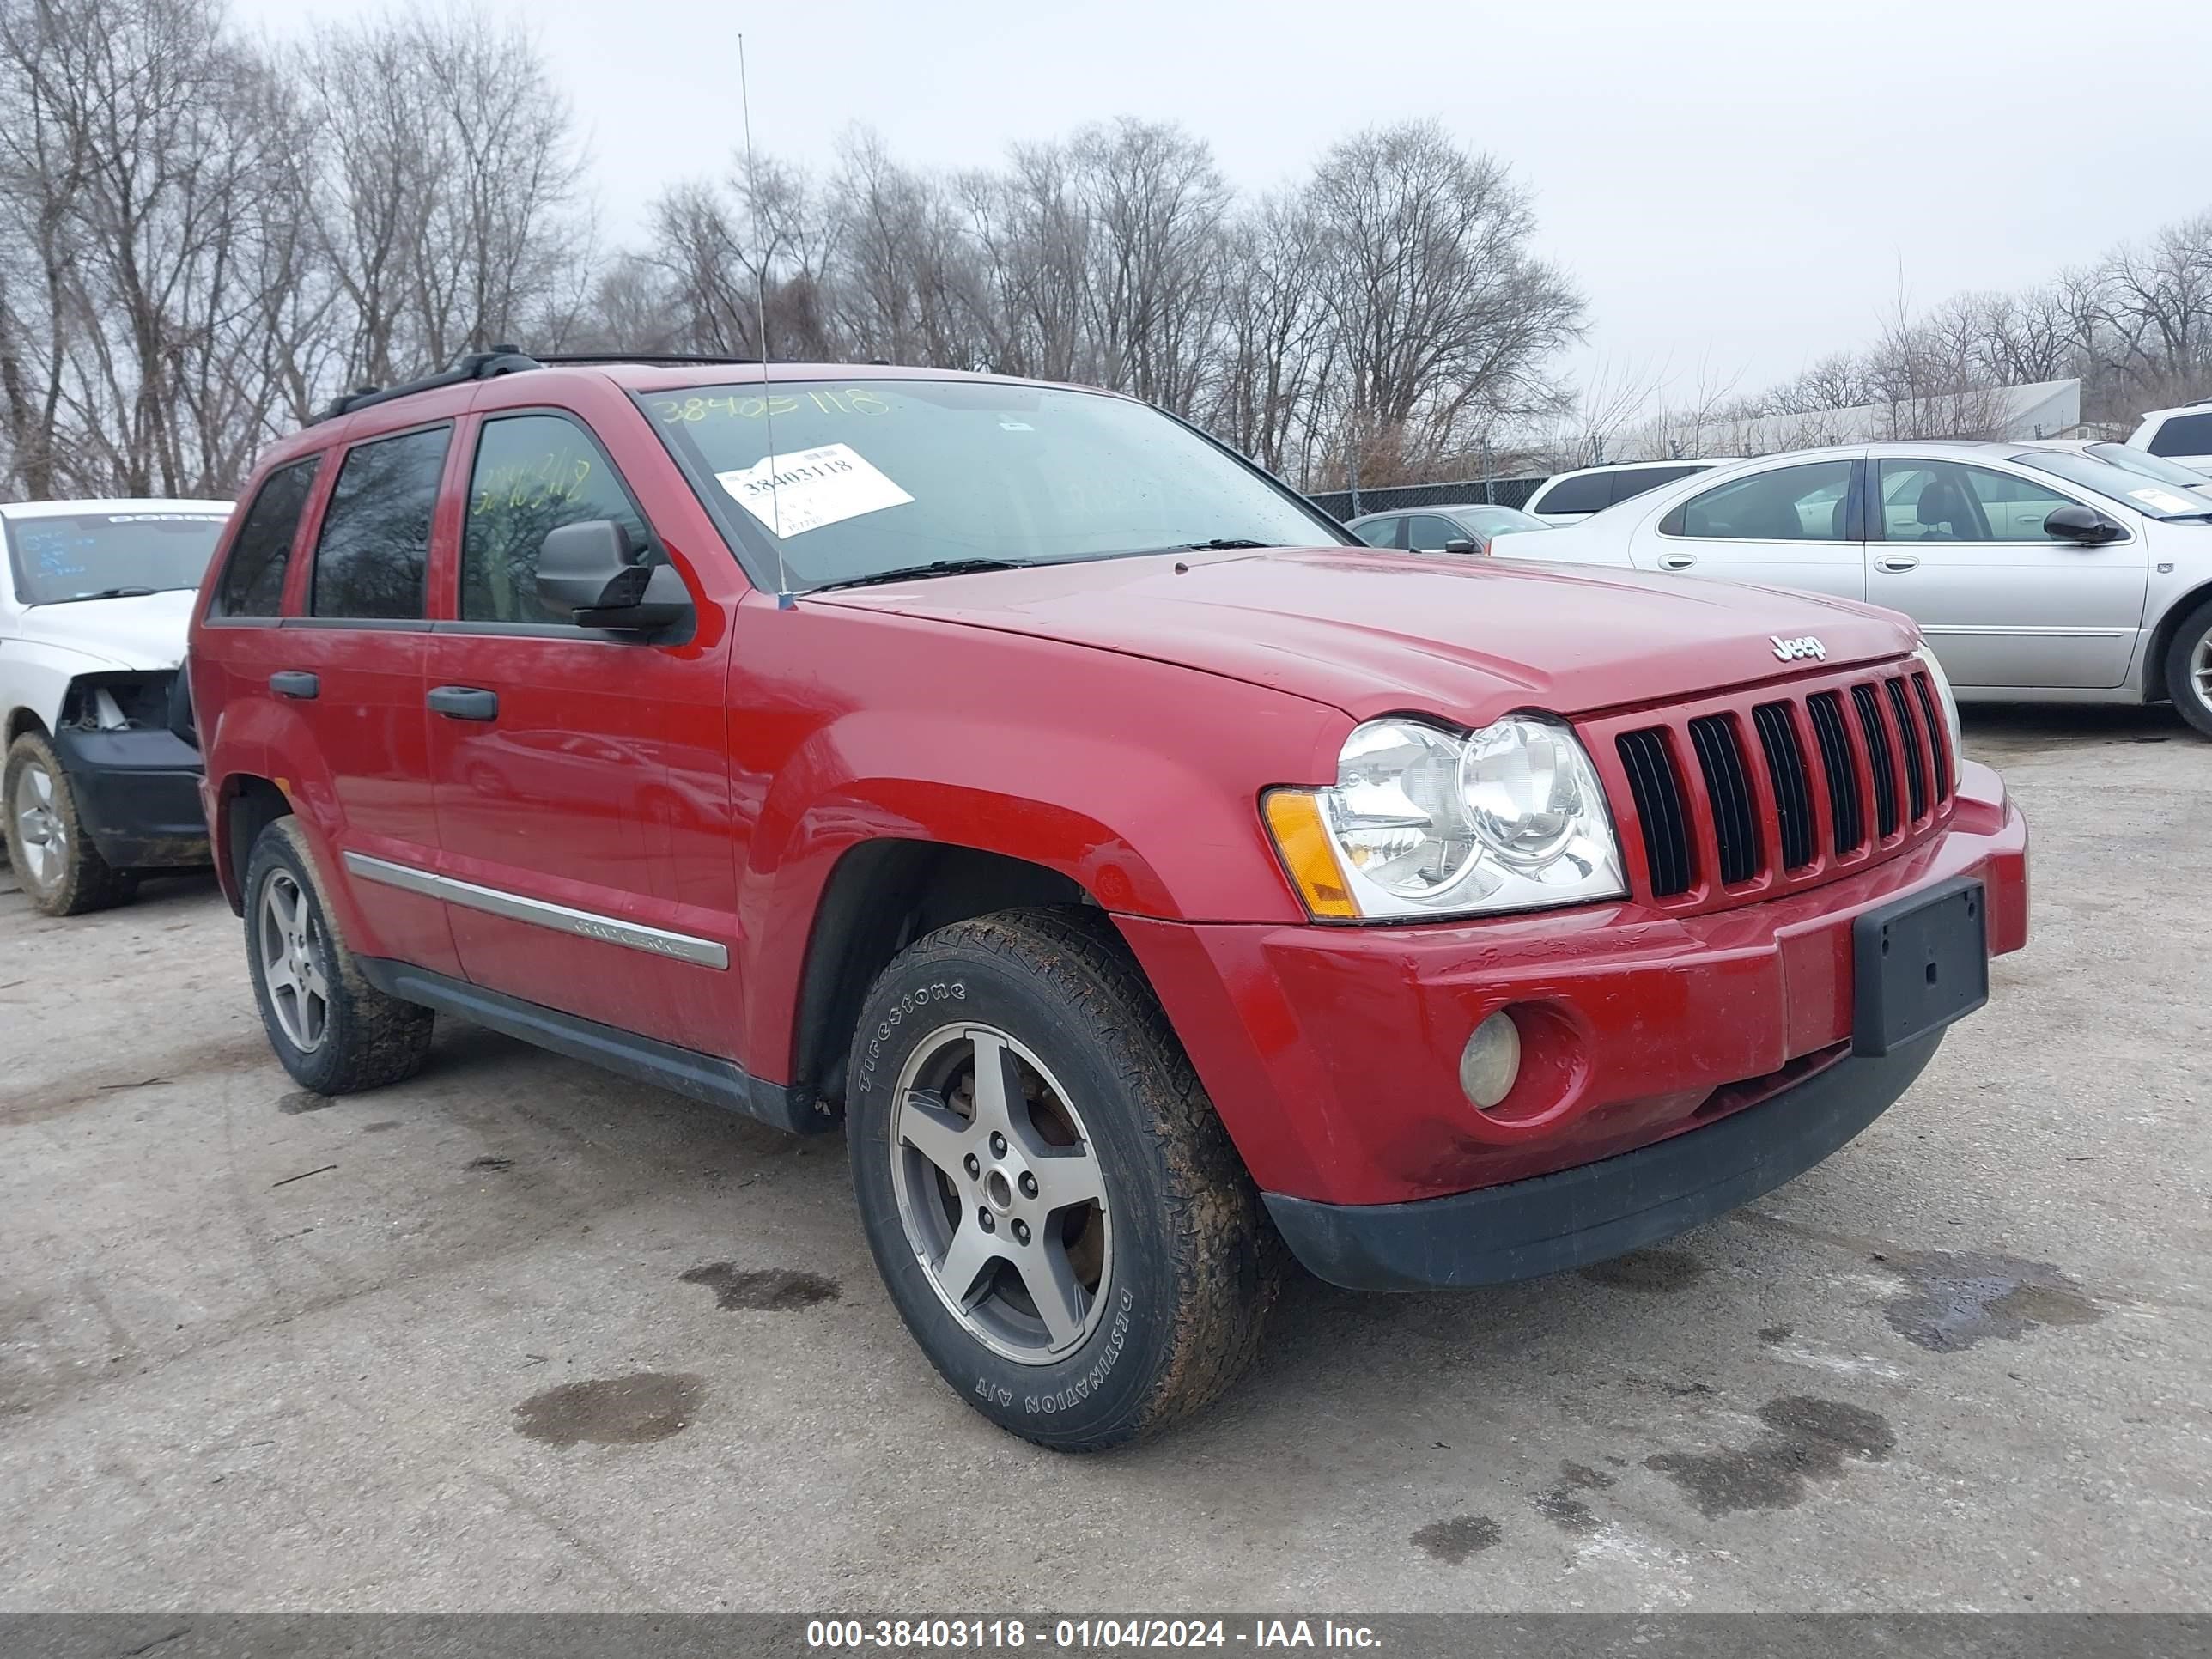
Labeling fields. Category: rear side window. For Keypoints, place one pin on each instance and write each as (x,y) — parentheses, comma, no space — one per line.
(1584,495)
(1634,481)
(2185,435)
(375,549)
(533,473)
(1383,533)
(253,580)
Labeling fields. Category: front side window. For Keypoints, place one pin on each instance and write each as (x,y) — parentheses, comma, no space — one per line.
(533,473)
(60,558)
(1429,534)
(1946,502)
(1805,503)
(374,548)
(253,580)
(891,475)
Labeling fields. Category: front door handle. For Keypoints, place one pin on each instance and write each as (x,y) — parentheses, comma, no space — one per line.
(1677,561)
(292,682)
(1898,563)
(465,703)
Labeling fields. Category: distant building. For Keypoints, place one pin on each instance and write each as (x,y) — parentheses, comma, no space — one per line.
(2046,408)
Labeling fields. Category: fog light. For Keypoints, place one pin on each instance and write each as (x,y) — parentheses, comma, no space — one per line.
(1491,1061)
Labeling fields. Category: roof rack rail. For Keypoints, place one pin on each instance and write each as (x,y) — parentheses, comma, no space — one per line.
(475,366)
(644,359)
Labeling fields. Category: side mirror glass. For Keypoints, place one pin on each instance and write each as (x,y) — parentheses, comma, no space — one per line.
(592,570)
(2082,524)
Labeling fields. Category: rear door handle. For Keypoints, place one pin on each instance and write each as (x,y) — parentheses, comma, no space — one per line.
(1677,561)
(465,703)
(292,682)
(1898,563)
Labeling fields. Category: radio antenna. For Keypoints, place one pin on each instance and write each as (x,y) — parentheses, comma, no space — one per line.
(783,597)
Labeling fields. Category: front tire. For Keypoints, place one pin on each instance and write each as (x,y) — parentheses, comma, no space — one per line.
(1055,1208)
(2189,668)
(332,1031)
(62,872)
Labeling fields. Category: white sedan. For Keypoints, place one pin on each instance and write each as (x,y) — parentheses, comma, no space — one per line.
(2037,572)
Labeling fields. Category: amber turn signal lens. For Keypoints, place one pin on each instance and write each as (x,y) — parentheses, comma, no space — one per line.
(1294,819)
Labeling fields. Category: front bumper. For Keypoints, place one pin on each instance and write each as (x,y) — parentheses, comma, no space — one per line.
(137,795)
(1549,1223)
(1331,1053)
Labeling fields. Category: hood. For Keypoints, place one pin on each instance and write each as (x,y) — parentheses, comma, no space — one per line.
(1373,631)
(145,632)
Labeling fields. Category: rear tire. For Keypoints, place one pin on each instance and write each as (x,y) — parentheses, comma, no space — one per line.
(2189,668)
(332,1031)
(62,872)
(1100,1174)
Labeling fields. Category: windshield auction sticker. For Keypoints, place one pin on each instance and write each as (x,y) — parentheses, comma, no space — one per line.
(2164,500)
(795,493)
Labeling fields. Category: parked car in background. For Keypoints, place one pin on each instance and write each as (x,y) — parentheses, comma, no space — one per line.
(2172,475)
(1570,497)
(1152,885)
(97,786)
(1467,528)
(2036,571)
(2183,434)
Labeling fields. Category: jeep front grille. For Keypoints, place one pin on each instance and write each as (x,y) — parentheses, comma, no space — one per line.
(1731,798)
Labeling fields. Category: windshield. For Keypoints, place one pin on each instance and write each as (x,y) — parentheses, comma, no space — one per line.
(1498,520)
(82,556)
(2160,493)
(886,475)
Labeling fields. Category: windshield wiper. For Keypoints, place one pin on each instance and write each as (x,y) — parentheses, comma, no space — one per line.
(1219,544)
(107,594)
(934,567)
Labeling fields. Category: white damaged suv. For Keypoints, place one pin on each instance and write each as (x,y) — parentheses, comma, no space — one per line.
(99,784)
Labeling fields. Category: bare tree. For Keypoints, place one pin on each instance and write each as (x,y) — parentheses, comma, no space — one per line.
(1446,319)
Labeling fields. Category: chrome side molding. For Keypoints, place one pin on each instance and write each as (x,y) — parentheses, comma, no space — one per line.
(584,924)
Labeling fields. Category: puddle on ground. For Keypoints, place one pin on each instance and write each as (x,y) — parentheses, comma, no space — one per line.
(612,1410)
(1956,1301)
(775,1290)
(1806,1439)
(1561,1506)
(1454,1540)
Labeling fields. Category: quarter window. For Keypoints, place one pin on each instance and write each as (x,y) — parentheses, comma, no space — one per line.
(254,579)
(374,548)
(1948,501)
(1788,504)
(533,474)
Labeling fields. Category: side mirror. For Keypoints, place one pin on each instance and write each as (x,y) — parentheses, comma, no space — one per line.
(591,570)
(1462,545)
(2084,525)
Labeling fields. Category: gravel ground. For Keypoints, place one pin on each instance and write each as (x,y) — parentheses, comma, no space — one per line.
(516,1336)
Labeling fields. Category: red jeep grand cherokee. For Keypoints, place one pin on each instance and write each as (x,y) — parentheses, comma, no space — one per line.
(1146,880)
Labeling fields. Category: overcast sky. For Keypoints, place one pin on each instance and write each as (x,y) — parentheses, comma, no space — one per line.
(1737,185)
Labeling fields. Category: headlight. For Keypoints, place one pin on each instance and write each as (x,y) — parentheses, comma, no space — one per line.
(1927,656)
(1424,822)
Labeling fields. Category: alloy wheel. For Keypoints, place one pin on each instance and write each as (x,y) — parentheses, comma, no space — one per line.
(292,962)
(1000,1193)
(41,830)
(2200,669)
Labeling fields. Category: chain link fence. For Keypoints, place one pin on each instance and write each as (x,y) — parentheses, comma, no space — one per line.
(1499,492)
